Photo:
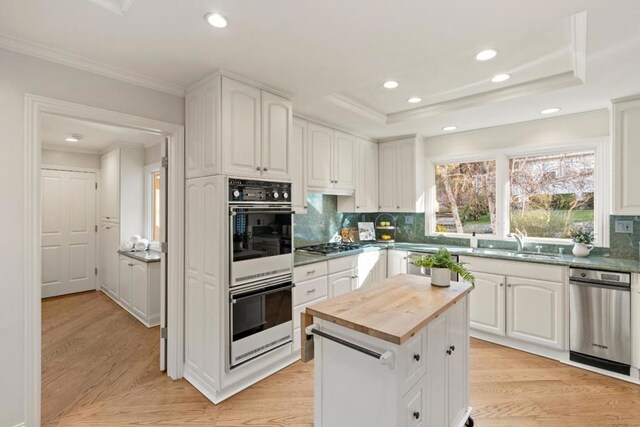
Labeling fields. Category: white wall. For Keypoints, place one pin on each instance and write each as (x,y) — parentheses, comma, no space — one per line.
(70,159)
(556,129)
(152,155)
(20,74)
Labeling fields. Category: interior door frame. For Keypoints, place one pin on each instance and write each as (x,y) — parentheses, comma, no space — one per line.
(35,107)
(98,176)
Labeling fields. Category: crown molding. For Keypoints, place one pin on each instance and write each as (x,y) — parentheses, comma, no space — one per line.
(308,118)
(358,108)
(81,63)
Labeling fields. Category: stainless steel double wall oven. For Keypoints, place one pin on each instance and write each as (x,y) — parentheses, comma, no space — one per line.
(261,267)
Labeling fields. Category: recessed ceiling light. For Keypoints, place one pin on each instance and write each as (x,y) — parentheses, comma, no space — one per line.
(486,55)
(414,100)
(500,78)
(390,84)
(448,128)
(73,138)
(217,20)
(550,110)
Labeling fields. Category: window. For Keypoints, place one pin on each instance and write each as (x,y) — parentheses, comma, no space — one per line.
(466,197)
(543,193)
(155,206)
(551,194)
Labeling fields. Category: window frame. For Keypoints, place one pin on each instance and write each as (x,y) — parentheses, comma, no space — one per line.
(602,209)
(149,171)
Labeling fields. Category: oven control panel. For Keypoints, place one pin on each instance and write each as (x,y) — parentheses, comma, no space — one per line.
(249,190)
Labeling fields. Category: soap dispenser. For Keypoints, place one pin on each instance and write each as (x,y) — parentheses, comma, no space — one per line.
(474,240)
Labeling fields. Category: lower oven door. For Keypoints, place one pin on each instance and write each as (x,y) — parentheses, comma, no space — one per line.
(260,320)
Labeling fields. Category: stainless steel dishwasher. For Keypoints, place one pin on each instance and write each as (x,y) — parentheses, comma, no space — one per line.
(600,314)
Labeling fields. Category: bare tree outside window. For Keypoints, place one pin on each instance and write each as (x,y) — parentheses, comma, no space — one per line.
(552,194)
(466,196)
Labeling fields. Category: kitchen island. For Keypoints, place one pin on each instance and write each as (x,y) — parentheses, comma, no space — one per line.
(395,353)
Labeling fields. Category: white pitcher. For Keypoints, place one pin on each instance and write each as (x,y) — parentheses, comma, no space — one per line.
(582,250)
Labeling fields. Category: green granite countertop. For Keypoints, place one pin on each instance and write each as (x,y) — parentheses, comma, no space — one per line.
(592,262)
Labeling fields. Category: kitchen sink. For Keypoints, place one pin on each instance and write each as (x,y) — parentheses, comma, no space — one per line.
(521,255)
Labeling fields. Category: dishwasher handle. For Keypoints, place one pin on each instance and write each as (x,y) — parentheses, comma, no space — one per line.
(594,284)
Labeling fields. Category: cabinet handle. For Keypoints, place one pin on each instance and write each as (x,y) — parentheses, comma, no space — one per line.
(265,169)
(416,357)
(357,207)
(509,285)
(311,271)
(130,265)
(416,415)
(310,291)
(305,207)
(354,277)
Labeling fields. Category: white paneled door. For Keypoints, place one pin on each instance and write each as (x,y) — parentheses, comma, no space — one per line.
(68,232)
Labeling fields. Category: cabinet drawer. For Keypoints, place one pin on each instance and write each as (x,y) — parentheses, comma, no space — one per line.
(309,290)
(300,308)
(311,271)
(414,404)
(530,270)
(341,264)
(415,360)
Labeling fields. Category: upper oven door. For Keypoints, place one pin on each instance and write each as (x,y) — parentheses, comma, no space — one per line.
(260,243)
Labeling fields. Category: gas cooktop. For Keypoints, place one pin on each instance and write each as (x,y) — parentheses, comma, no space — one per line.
(332,248)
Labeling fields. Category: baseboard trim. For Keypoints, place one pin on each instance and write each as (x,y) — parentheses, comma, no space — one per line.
(150,324)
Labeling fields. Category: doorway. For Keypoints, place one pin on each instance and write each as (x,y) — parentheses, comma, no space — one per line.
(172,280)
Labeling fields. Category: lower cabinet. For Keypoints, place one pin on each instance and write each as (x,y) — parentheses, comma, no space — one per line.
(488,303)
(396,262)
(342,283)
(535,311)
(372,268)
(140,289)
(109,243)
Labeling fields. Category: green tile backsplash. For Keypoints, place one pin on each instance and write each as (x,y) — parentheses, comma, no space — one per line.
(323,222)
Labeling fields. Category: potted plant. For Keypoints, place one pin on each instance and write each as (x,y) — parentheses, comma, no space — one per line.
(582,241)
(441,263)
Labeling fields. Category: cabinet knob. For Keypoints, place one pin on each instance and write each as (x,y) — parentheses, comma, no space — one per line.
(416,357)
(258,168)
(416,415)
(265,169)
(509,285)
(449,352)
(452,348)
(501,284)
(357,207)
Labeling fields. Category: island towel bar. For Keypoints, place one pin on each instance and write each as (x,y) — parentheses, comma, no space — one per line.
(383,357)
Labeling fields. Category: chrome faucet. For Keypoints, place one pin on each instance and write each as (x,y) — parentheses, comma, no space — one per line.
(519,240)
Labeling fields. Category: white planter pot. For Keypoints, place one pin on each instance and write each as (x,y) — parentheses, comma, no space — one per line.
(441,277)
(582,250)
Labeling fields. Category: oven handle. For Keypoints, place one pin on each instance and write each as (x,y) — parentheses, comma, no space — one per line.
(234,298)
(288,211)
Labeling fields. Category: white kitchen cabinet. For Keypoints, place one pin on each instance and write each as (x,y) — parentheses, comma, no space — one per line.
(237,129)
(635,320)
(365,197)
(298,153)
(241,113)
(625,132)
(342,283)
(535,311)
(402,175)
(330,160)
(110,191)
(396,262)
(109,243)
(371,268)
(487,303)
(140,289)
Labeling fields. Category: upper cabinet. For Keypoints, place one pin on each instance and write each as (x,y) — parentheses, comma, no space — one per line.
(365,198)
(110,193)
(330,160)
(626,148)
(402,174)
(234,128)
(298,153)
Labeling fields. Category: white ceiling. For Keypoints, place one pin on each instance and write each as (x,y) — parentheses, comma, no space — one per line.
(315,50)
(96,137)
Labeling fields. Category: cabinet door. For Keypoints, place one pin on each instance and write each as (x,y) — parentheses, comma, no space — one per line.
(241,147)
(319,155)
(202,128)
(535,311)
(110,192)
(139,299)
(381,266)
(436,413)
(298,166)
(344,158)
(368,268)
(370,176)
(341,283)
(276,136)
(487,303)
(387,167)
(110,241)
(405,185)
(104,194)
(457,369)
(125,280)
(396,262)
(626,151)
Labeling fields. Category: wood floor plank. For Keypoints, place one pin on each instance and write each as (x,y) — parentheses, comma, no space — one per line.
(100,368)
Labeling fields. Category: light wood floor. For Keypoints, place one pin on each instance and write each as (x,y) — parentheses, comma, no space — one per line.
(100,368)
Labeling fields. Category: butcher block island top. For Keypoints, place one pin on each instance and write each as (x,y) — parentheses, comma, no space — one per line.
(393,310)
